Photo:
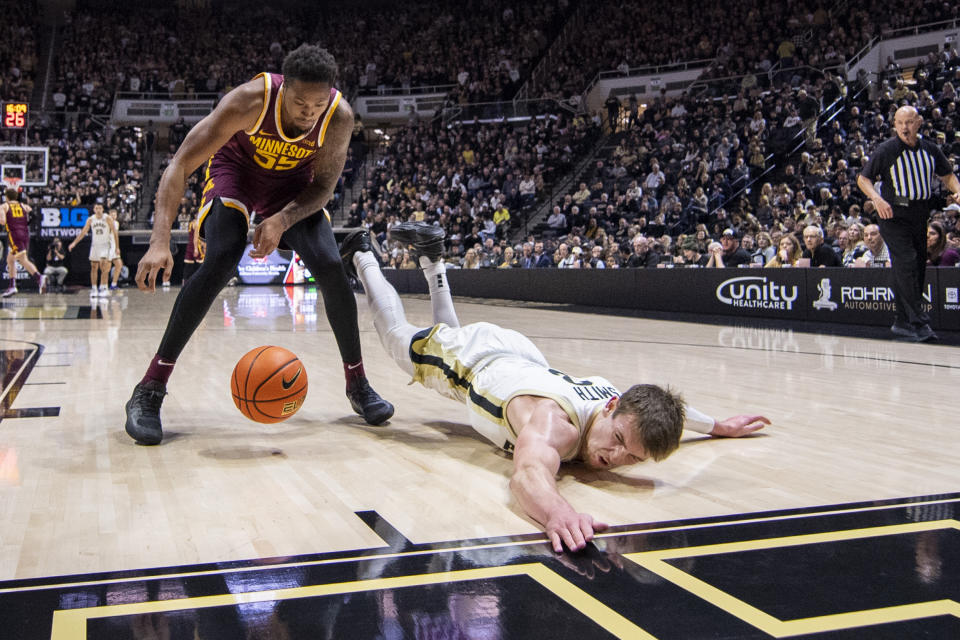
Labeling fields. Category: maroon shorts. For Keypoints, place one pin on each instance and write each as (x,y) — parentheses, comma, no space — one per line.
(18,238)
(250,191)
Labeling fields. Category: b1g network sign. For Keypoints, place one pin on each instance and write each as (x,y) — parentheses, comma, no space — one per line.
(62,222)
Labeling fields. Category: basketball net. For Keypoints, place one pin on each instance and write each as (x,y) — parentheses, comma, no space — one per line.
(12,182)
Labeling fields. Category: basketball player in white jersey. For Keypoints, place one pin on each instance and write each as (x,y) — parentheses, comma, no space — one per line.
(517,401)
(115,259)
(101,232)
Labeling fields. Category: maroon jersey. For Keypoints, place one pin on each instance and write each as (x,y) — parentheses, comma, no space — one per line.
(18,228)
(261,170)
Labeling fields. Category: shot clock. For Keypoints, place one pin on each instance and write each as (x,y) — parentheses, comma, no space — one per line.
(15,115)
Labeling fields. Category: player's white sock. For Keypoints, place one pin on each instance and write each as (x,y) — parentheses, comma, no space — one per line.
(440,299)
(388,316)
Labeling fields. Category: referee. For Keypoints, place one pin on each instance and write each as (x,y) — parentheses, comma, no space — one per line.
(905,166)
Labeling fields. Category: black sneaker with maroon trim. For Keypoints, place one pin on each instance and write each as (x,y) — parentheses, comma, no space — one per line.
(367,403)
(143,412)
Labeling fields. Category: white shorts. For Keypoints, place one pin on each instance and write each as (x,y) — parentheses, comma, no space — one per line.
(99,252)
(480,364)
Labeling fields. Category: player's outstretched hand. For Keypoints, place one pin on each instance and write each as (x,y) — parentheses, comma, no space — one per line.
(572,530)
(266,237)
(157,257)
(739,426)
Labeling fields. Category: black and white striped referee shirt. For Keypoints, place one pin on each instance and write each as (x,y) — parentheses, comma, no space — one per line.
(907,174)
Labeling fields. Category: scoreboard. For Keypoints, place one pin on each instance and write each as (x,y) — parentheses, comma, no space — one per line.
(14,115)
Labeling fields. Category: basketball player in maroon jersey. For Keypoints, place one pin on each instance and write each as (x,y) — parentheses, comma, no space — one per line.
(274,146)
(14,216)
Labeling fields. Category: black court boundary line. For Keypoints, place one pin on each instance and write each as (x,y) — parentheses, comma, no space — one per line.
(399,544)
(18,383)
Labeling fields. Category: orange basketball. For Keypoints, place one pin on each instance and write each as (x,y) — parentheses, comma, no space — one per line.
(269,384)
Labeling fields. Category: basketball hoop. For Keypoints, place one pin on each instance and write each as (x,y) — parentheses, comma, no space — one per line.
(12,182)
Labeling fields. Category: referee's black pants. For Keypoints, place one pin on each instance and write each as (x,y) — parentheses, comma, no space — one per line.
(906,237)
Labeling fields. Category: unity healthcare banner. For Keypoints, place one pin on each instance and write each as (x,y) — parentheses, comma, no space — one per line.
(841,295)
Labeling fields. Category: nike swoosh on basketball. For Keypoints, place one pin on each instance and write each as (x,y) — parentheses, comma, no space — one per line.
(286,384)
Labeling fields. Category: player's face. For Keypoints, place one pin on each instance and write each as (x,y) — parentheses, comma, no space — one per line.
(98,209)
(303,102)
(613,441)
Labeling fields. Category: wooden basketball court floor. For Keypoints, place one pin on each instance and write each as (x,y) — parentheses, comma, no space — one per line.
(840,520)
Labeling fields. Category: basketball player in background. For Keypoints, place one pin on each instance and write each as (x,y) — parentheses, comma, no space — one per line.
(517,401)
(14,215)
(102,235)
(116,260)
(276,147)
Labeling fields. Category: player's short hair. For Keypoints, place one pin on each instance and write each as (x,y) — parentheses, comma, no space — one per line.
(12,194)
(310,63)
(658,414)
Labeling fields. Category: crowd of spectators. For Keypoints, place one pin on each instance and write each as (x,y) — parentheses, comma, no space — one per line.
(481,49)
(478,181)
(18,51)
(679,184)
(747,38)
(89,165)
(676,171)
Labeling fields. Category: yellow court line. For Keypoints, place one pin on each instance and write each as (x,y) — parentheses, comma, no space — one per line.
(812,514)
(476,547)
(655,561)
(807,538)
(885,615)
(588,605)
(71,624)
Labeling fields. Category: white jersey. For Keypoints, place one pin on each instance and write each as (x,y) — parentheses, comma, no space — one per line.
(100,238)
(486,366)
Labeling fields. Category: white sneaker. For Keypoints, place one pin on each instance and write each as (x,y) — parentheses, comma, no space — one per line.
(94,292)
(42,285)
(104,291)
(9,292)
(166,285)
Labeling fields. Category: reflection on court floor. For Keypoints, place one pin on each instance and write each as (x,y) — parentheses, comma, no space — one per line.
(886,569)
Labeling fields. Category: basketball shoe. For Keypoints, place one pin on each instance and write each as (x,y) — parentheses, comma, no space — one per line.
(143,412)
(355,241)
(10,291)
(425,238)
(42,284)
(367,403)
